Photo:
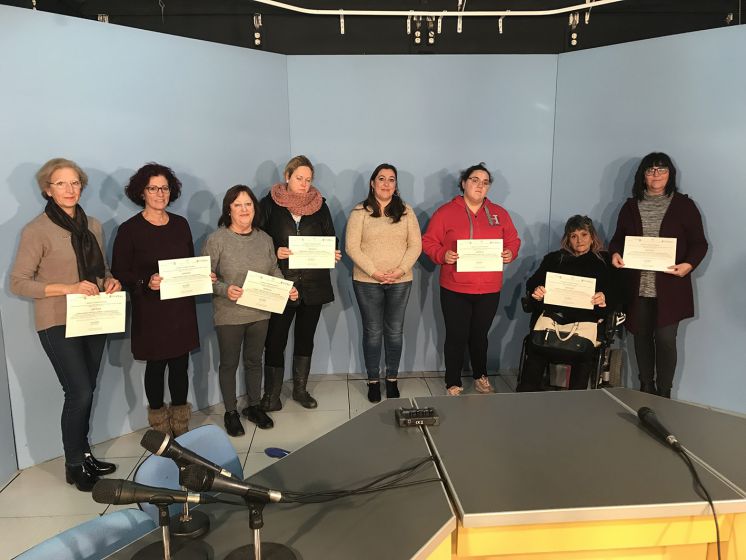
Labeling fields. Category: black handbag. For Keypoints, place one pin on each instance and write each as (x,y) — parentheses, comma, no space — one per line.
(572,338)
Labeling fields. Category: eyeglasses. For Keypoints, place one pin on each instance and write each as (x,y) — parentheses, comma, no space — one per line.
(650,171)
(152,190)
(477,181)
(60,185)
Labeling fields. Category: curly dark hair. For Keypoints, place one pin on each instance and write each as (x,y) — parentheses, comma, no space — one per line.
(137,183)
(394,209)
(654,159)
(230,196)
(466,173)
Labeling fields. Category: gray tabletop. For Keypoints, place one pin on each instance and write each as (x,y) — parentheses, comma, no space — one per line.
(561,456)
(395,524)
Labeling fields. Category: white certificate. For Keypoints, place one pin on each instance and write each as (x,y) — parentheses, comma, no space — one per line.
(649,253)
(265,292)
(185,277)
(99,314)
(311,251)
(569,291)
(479,255)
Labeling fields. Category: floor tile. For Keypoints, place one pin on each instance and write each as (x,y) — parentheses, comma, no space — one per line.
(294,429)
(325,377)
(29,531)
(408,388)
(256,462)
(506,381)
(401,375)
(331,395)
(127,445)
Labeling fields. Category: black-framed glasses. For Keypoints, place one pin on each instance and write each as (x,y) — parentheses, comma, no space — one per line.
(655,171)
(152,189)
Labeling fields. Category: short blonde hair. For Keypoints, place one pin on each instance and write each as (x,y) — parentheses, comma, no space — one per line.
(46,171)
(295,163)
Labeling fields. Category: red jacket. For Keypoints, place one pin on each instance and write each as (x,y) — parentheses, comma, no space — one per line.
(450,223)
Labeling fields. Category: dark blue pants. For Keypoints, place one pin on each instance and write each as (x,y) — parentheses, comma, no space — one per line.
(76,362)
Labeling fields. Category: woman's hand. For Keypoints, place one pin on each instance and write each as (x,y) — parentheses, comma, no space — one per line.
(213,277)
(393,275)
(616,260)
(539,293)
(507,255)
(283,253)
(155,282)
(112,285)
(85,287)
(450,257)
(380,277)
(599,299)
(337,255)
(234,292)
(293,294)
(680,270)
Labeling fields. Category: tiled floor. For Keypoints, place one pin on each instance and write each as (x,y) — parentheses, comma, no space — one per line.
(38,504)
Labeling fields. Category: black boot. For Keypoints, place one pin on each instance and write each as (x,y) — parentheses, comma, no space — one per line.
(301,369)
(258,417)
(664,393)
(80,477)
(392,389)
(99,468)
(232,422)
(374,391)
(272,388)
(648,387)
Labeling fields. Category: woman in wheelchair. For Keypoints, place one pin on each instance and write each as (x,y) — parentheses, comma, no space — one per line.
(581,254)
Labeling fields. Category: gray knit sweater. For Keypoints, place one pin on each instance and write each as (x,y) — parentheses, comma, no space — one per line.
(231,256)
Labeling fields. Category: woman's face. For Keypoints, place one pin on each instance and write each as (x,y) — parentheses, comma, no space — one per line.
(156,193)
(384,185)
(300,181)
(476,186)
(580,241)
(656,179)
(242,212)
(64,188)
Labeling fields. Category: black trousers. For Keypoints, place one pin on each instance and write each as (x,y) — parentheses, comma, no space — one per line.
(306,319)
(655,347)
(178,380)
(468,318)
(537,362)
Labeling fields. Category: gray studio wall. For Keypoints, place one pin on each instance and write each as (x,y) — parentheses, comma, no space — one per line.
(431,117)
(113,98)
(684,95)
(8,461)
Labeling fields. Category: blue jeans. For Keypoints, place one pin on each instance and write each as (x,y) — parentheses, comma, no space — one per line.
(76,362)
(382,307)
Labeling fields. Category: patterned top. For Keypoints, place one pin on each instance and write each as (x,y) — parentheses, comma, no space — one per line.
(652,210)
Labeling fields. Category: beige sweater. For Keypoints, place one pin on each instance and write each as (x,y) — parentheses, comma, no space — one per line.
(45,256)
(377,244)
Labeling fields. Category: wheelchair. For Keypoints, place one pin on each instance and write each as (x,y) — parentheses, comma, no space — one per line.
(607,358)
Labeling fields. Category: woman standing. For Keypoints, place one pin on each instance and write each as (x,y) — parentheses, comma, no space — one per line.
(237,247)
(657,301)
(383,240)
(295,207)
(469,299)
(163,331)
(60,253)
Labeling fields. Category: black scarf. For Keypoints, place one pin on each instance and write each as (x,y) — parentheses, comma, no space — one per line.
(87,252)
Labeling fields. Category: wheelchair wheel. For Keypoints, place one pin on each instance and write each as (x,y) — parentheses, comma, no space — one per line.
(615,367)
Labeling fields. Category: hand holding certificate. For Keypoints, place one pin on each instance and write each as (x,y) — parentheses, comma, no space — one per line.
(649,253)
(185,277)
(311,251)
(100,314)
(265,292)
(479,255)
(569,291)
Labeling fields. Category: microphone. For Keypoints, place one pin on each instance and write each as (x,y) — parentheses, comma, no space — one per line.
(200,479)
(164,445)
(117,491)
(650,421)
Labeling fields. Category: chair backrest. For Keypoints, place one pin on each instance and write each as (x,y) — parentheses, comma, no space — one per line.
(209,441)
(94,539)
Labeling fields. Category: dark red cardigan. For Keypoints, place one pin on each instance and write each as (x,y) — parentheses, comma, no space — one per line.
(675,297)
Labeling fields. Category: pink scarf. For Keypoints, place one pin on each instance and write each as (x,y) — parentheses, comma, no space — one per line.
(303,204)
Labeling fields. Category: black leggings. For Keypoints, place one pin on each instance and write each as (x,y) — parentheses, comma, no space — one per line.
(306,319)
(178,381)
(655,347)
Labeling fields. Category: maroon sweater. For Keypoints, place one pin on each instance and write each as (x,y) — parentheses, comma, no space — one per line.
(675,297)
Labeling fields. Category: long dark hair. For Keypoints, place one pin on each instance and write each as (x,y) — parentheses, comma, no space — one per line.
(394,209)
(230,196)
(654,159)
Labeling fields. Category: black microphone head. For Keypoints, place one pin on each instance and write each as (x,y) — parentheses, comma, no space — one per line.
(197,478)
(154,441)
(644,411)
(107,490)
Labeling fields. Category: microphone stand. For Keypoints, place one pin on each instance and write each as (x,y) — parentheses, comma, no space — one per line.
(274,551)
(162,550)
(189,524)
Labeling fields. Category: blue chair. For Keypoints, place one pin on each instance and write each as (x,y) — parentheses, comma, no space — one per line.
(209,441)
(94,539)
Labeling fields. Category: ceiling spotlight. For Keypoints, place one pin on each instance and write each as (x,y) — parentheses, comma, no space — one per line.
(728,18)
(574,20)
(103,18)
(258,30)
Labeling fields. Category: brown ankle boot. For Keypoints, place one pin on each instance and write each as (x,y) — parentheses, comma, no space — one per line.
(160,419)
(180,416)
